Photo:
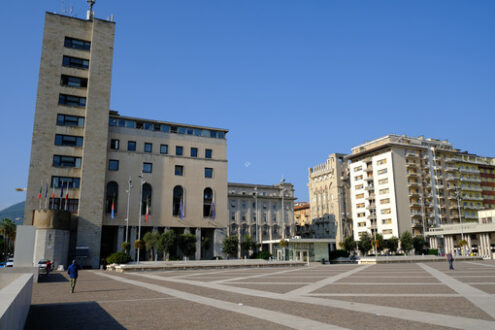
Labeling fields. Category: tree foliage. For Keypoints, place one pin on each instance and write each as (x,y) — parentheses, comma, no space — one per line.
(230,245)
(364,244)
(379,242)
(392,244)
(349,244)
(406,242)
(166,243)
(419,244)
(151,240)
(187,244)
(118,258)
(8,231)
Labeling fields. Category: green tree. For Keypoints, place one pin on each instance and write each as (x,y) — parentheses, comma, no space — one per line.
(348,244)
(379,242)
(230,245)
(8,230)
(126,246)
(364,244)
(419,244)
(248,244)
(166,243)
(151,240)
(406,242)
(187,244)
(392,244)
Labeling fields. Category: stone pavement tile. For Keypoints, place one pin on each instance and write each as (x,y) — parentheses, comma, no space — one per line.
(267,287)
(335,316)
(373,288)
(488,288)
(456,306)
(389,279)
(89,287)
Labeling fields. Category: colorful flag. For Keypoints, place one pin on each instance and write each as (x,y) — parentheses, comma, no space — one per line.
(67,196)
(41,190)
(147,211)
(113,209)
(46,190)
(61,195)
(181,210)
(212,210)
(53,200)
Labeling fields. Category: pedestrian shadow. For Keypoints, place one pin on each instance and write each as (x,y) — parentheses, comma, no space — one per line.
(83,315)
(51,278)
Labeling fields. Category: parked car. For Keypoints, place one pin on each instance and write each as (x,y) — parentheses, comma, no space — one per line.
(42,263)
(10,262)
(2,264)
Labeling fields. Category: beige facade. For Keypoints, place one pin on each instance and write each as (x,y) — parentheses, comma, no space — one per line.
(264,212)
(90,153)
(329,199)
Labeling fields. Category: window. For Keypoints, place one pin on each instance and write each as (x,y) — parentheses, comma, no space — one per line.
(68,140)
(358,196)
(66,182)
(383,181)
(361,214)
(359,186)
(385,211)
(177,202)
(148,147)
(194,152)
(381,161)
(70,81)
(164,149)
(74,62)
(208,172)
(178,150)
(179,170)
(71,100)
(385,201)
(357,178)
(360,205)
(208,153)
(70,204)
(358,168)
(208,206)
(147,167)
(112,197)
(146,199)
(383,191)
(114,144)
(362,224)
(66,161)
(113,165)
(131,145)
(387,232)
(77,43)
(387,221)
(382,171)
(66,120)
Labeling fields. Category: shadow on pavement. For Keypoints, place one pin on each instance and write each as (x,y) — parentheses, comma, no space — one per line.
(84,315)
(53,277)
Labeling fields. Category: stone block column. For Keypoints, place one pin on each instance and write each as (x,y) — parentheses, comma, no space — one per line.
(132,238)
(198,244)
(120,238)
(218,237)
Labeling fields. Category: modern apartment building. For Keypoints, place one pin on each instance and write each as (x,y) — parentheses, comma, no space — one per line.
(400,183)
(110,171)
(329,198)
(264,212)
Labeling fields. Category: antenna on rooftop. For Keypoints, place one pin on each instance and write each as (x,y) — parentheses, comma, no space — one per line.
(90,14)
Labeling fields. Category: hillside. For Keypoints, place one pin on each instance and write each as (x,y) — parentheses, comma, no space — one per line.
(14,212)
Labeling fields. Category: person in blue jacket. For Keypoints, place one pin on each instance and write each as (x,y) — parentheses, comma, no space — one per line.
(72,270)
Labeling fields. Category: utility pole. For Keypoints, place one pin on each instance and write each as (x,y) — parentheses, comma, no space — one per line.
(140,211)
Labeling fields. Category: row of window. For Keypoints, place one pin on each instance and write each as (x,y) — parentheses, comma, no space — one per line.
(67,120)
(178,200)
(117,122)
(71,100)
(77,43)
(113,165)
(71,81)
(148,147)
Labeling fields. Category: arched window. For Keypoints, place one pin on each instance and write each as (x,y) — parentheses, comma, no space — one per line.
(208,210)
(178,203)
(146,198)
(112,197)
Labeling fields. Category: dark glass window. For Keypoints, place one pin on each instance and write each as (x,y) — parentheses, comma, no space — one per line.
(181,130)
(220,135)
(113,165)
(178,150)
(165,128)
(71,81)
(66,120)
(68,140)
(190,131)
(147,167)
(177,202)
(77,43)
(71,100)
(114,144)
(213,134)
(112,197)
(208,172)
(148,147)
(208,153)
(131,145)
(75,62)
(146,198)
(179,170)
(164,148)
(194,152)
(66,161)
(59,181)
(208,210)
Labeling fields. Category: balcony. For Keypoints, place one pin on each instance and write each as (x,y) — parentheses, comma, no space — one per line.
(469,170)
(416,224)
(451,178)
(413,184)
(414,204)
(470,180)
(416,214)
(451,197)
(469,216)
(410,154)
(466,188)
(372,216)
(451,187)
(412,174)
(371,206)
(369,178)
(369,187)
(413,194)
(411,164)
(472,198)
(451,169)
(450,160)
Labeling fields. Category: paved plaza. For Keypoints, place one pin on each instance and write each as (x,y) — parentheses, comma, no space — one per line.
(385,296)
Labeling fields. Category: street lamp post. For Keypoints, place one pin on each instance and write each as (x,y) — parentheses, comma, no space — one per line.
(140,211)
(127,211)
(256,214)
(458,197)
(422,201)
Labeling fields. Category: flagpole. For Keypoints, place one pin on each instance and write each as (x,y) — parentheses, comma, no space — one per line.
(140,207)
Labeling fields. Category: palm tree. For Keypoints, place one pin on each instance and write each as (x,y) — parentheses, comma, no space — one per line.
(7,229)
(151,240)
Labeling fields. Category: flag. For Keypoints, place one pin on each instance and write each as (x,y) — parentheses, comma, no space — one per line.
(61,195)
(181,210)
(67,196)
(113,209)
(41,190)
(147,211)
(53,200)
(46,190)
(212,210)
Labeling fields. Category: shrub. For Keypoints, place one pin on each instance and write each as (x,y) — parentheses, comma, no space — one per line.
(118,258)
(264,255)
(337,254)
(433,252)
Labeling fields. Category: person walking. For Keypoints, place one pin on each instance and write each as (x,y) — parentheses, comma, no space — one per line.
(450,259)
(72,270)
(48,267)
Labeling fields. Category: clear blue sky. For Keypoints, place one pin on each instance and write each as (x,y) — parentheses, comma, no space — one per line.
(293,81)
